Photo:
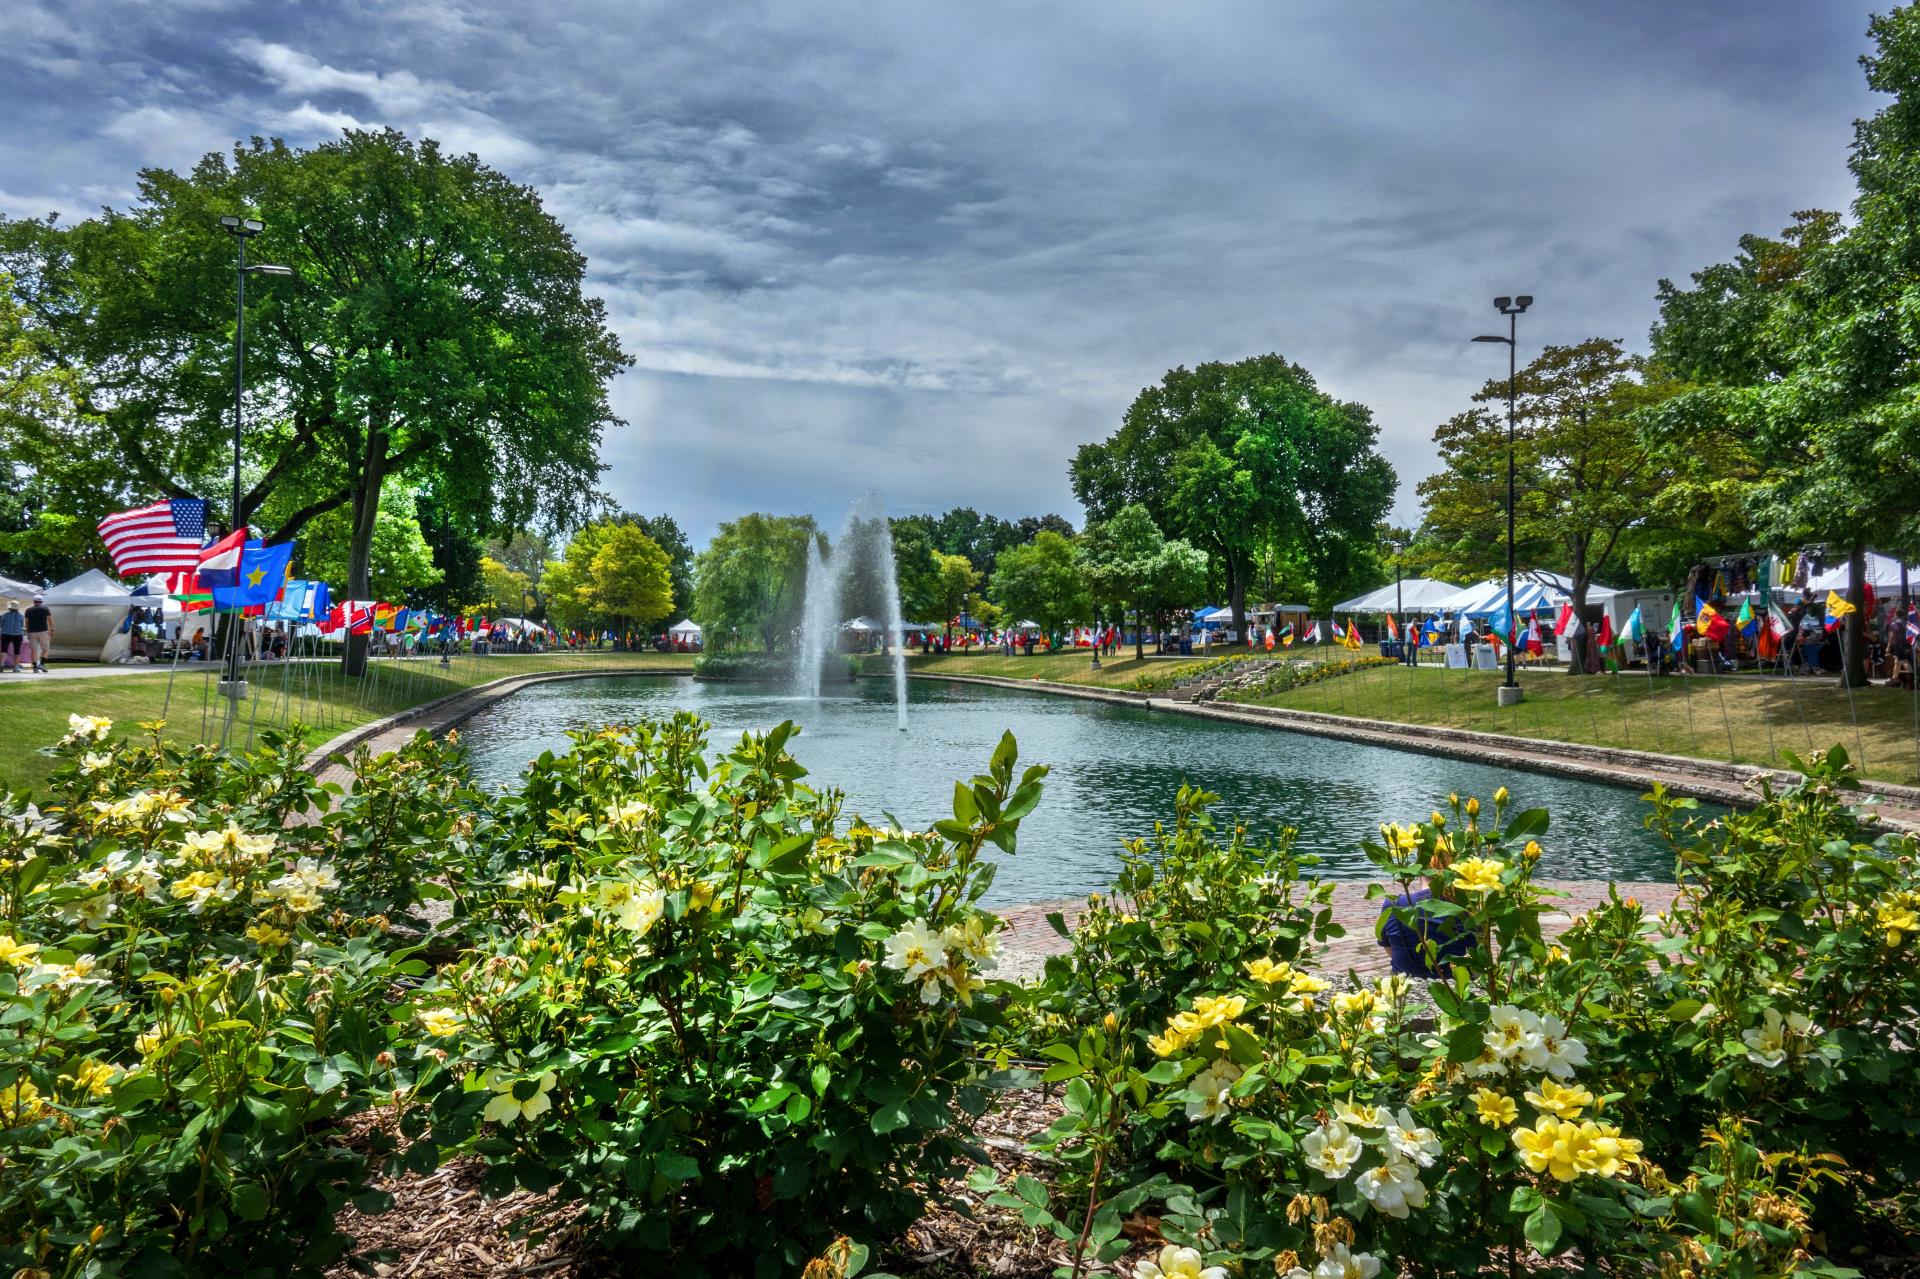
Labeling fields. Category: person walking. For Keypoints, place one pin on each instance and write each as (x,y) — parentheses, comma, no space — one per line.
(13,629)
(39,621)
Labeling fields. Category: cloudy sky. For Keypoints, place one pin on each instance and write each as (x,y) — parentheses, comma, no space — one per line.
(931,248)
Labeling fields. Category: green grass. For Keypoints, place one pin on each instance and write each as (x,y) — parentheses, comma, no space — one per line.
(36,711)
(1692,716)
(1076,667)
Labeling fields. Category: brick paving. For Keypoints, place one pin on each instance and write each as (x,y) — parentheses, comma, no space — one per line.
(1029,938)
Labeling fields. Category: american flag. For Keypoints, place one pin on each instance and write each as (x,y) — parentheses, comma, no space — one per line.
(162,538)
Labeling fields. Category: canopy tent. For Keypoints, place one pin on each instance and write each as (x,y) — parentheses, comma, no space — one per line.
(686,628)
(519,625)
(1883,571)
(91,587)
(1021,628)
(1209,618)
(863,625)
(1533,590)
(1411,594)
(14,589)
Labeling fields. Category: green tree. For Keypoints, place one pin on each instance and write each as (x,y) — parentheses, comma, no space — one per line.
(955,579)
(630,577)
(751,579)
(1128,563)
(1587,481)
(1042,582)
(1236,457)
(526,552)
(435,327)
(665,530)
(401,562)
(916,568)
(1820,373)
(505,588)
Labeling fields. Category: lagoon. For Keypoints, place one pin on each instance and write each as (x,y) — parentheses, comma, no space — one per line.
(1115,771)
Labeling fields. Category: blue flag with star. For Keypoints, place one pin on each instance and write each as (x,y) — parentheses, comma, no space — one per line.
(261,573)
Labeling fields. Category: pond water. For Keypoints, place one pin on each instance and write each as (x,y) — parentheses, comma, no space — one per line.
(1115,770)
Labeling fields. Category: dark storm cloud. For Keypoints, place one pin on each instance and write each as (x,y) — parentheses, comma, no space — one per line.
(932,248)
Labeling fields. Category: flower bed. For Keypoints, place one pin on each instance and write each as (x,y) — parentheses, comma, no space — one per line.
(704,1021)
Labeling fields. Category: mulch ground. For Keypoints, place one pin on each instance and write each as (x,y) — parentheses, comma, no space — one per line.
(444,1227)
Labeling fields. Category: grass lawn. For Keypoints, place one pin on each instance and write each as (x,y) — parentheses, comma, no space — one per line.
(310,693)
(1746,721)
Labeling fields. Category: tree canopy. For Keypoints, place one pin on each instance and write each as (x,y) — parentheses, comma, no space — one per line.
(1128,564)
(1042,582)
(1234,458)
(750,582)
(434,327)
(612,574)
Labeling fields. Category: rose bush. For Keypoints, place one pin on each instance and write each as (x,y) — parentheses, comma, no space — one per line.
(1535,1100)
(726,1029)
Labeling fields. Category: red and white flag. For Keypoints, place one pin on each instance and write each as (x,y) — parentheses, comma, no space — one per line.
(1564,620)
(219,563)
(162,538)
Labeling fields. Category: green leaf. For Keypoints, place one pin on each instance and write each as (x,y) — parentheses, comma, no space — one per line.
(1684,1009)
(676,1166)
(250,1201)
(890,1117)
(964,809)
(1542,1230)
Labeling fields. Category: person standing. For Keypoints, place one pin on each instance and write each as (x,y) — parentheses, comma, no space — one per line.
(39,621)
(13,629)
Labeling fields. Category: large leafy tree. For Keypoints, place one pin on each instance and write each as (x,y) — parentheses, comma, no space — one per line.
(613,574)
(1584,480)
(1234,458)
(915,567)
(435,327)
(1042,582)
(751,580)
(955,580)
(1808,348)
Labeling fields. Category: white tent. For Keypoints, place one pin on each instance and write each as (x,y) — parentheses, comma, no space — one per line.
(1411,593)
(1533,589)
(1882,570)
(863,625)
(87,613)
(12,588)
(686,628)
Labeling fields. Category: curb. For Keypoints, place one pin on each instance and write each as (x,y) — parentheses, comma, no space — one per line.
(482,696)
(1730,784)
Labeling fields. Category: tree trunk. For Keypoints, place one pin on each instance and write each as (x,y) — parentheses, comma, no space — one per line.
(1237,596)
(1582,638)
(1139,637)
(1854,670)
(366,507)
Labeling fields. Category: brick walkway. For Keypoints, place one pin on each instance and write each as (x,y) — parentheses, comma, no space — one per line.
(1029,938)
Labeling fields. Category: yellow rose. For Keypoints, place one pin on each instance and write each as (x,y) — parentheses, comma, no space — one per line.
(1478,875)
(1494,1108)
(1563,1101)
(1268,973)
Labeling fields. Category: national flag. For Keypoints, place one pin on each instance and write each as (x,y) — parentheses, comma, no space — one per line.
(1313,634)
(359,617)
(333,620)
(1837,609)
(319,602)
(1269,641)
(219,564)
(1605,637)
(1501,621)
(1703,615)
(1535,641)
(290,604)
(1353,634)
(1744,618)
(401,619)
(1633,629)
(1777,623)
(1286,632)
(260,572)
(1677,629)
(1913,622)
(1565,619)
(1393,630)
(1286,638)
(163,538)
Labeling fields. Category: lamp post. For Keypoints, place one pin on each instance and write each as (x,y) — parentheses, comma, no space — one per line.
(242,230)
(1509,693)
(1399,607)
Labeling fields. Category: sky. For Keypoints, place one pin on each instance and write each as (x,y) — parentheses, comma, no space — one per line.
(930,249)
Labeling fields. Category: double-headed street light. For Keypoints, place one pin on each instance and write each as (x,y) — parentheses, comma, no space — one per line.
(1511,308)
(242,230)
